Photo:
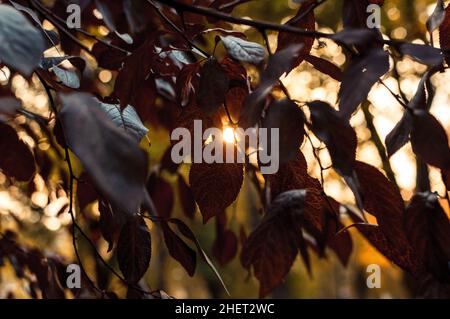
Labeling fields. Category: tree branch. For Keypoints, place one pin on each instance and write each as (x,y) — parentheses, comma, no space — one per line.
(260,25)
(71,179)
(75,226)
(59,22)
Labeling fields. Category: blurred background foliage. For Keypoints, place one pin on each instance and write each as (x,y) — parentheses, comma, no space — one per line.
(42,221)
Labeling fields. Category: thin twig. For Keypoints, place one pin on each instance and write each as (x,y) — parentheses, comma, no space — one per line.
(39,8)
(227,111)
(266,42)
(50,15)
(260,25)
(71,179)
(395,95)
(397,78)
(75,226)
(231,5)
(322,169)
(177,29)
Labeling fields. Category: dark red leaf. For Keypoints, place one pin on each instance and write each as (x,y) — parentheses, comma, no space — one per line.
(187,232)
(419,100)
(292,175)
(340,243)
(280,63)
(86,192)
(235,99)
(144,98)
(307,22)
(214,83)
(134,249)
(429,140)
(184,82)
(402,256)
(135,70)
(179,250)
(336,133)
(106,58)
(235,71)
(359,77)
(110,223)
(399,135)
(271,250)
(189,114)
(340,139)
(272,247)
(424,54)
(382,198)
(162,195)
(355,15)
(399,252)
(225,244)
(356,37)
(428,230)
(325,67)
(215,186)
(289,119)
(167,163)
(186,197)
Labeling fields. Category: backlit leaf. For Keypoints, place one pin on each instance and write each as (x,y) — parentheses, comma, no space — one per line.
(359,77)
(399,135)
(307,22)
(325,67)
(214,83)
(428,231)
(272,248)
(288,118)
(280,63)
(215,186)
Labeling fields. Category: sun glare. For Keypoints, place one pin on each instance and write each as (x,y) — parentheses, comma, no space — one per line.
(228,135)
